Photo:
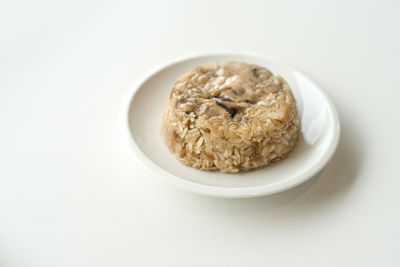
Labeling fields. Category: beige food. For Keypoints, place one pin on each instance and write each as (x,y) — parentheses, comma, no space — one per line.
(230,117)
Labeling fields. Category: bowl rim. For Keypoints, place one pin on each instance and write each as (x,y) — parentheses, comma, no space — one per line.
(218,191)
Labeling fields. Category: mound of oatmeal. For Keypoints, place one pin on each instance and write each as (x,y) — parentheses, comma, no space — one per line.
(230,117)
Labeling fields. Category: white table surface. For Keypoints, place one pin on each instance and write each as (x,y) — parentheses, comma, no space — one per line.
(72,193)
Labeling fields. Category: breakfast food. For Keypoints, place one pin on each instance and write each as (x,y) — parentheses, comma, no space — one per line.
(230,117)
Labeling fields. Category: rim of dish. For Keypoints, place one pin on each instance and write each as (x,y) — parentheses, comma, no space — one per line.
(230,192)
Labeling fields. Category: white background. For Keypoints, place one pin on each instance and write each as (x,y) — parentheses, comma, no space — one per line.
(72,193)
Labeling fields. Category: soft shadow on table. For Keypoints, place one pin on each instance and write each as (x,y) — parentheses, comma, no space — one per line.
(330,184)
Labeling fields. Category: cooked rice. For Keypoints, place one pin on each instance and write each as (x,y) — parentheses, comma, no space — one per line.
(230,117)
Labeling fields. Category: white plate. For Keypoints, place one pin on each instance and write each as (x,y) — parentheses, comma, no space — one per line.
(320,133)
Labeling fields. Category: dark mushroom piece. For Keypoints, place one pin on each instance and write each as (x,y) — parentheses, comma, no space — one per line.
(231,111)
(255,73)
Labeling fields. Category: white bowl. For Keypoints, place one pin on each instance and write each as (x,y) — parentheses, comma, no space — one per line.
(320,133)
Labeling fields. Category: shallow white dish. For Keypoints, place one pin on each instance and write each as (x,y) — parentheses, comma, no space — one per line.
(320,133)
